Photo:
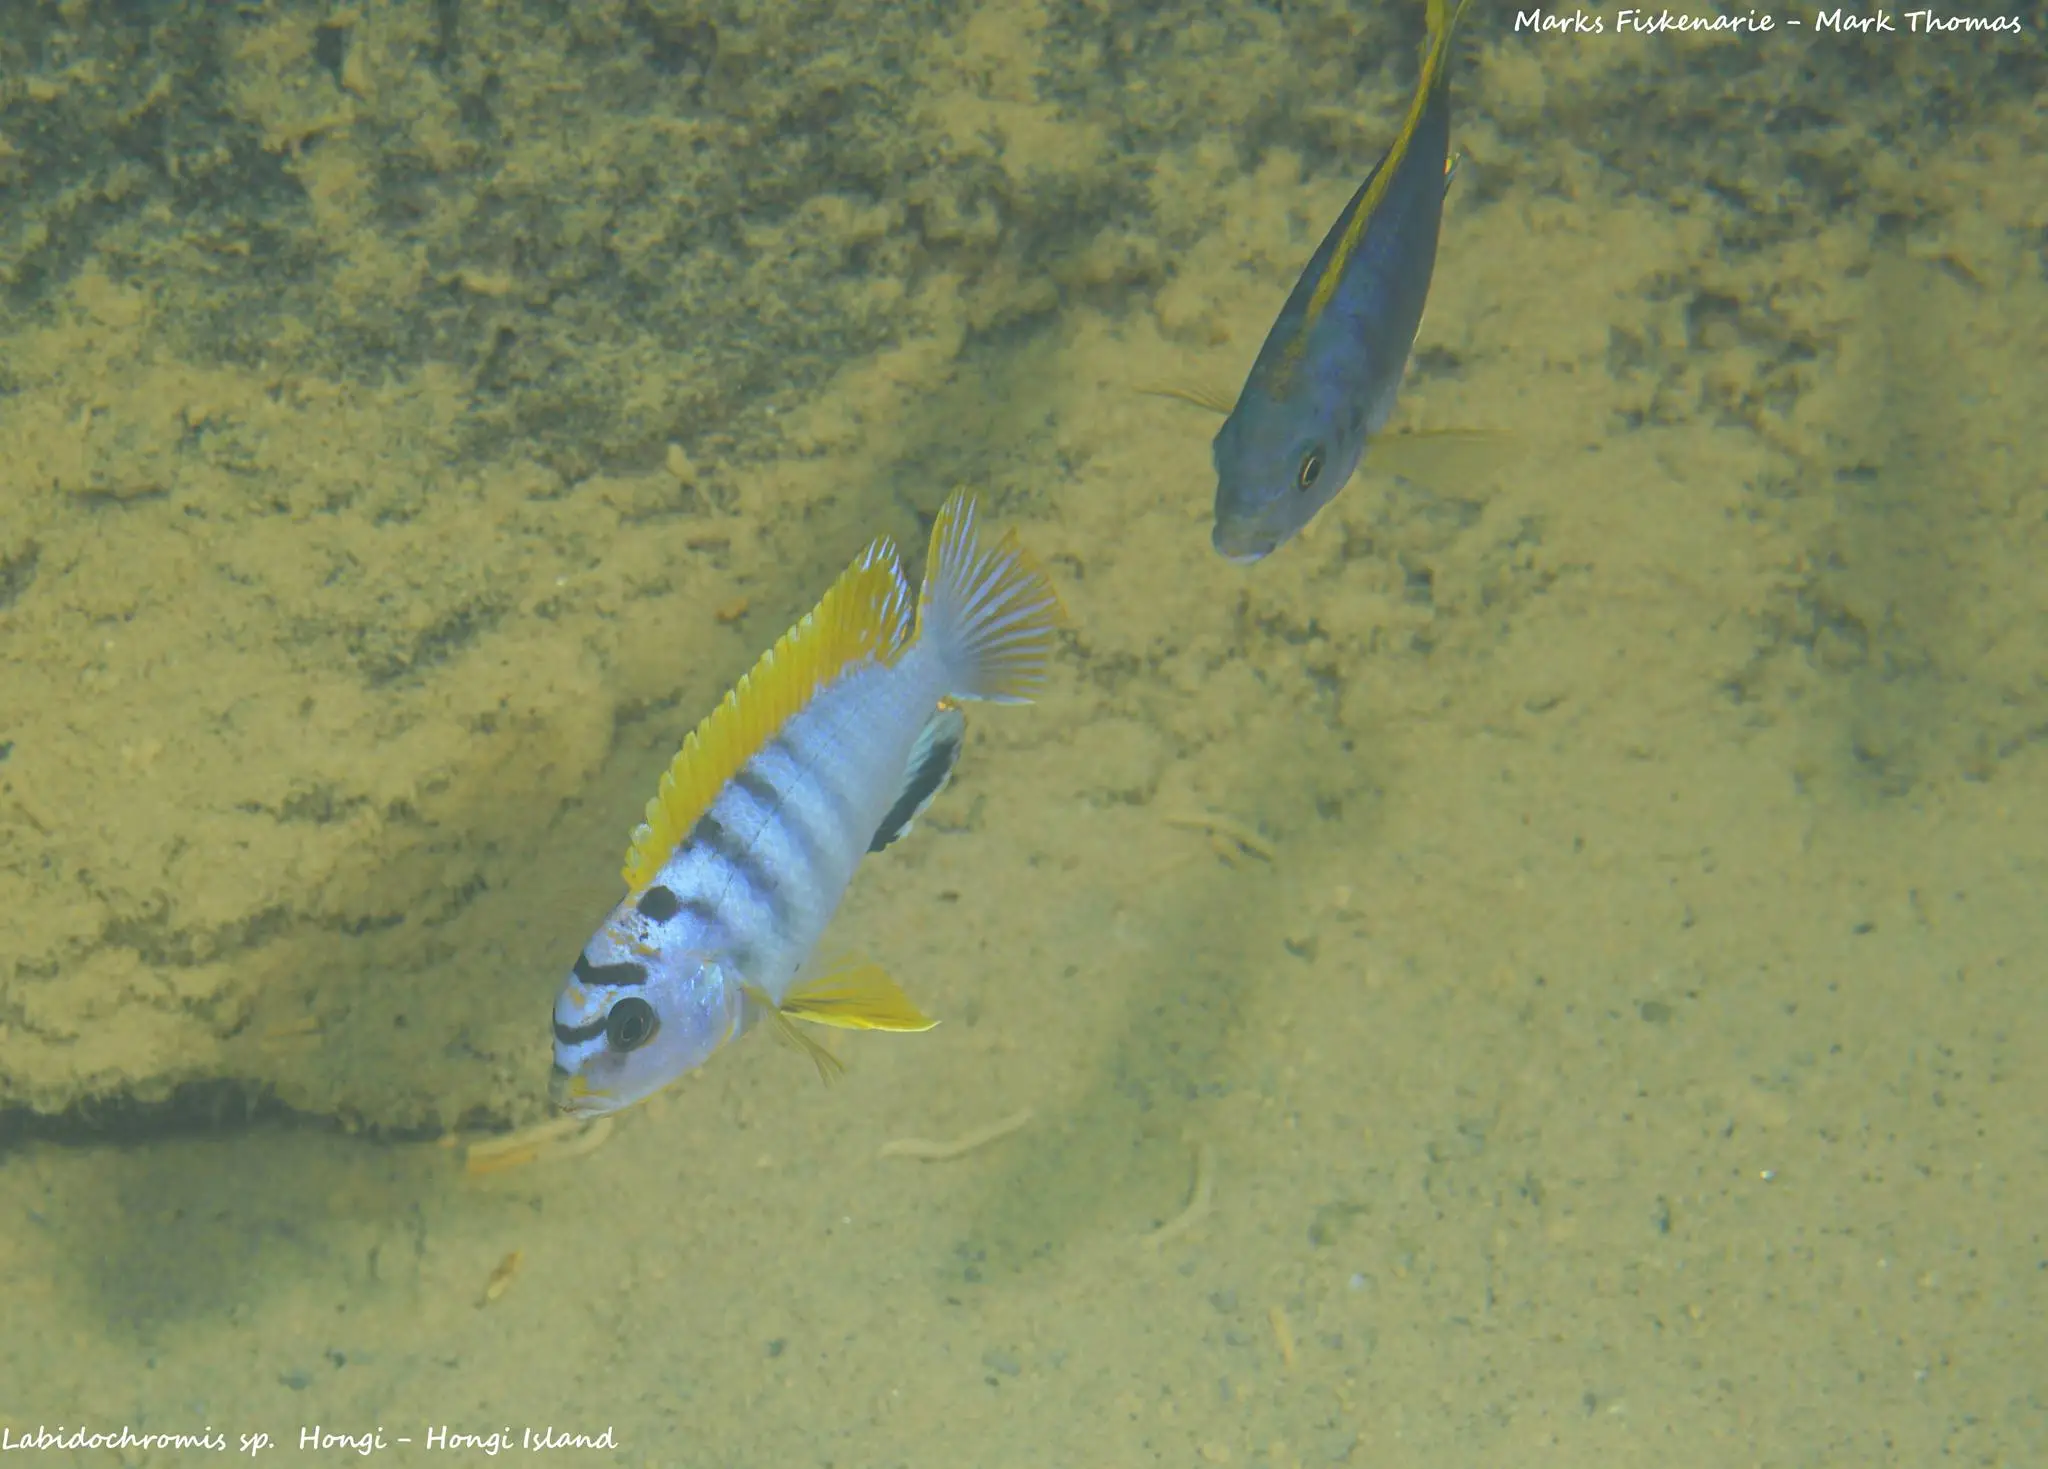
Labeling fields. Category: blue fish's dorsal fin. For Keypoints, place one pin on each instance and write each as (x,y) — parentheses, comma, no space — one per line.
(1442,21)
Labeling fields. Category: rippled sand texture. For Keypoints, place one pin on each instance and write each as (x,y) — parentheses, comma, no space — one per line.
(1568,926)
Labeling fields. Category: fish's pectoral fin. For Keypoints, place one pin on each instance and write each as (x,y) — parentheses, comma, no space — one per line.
(1202,397)
(1440,456)
(854,997)
(1449,435)
(925,774)
(787,1031)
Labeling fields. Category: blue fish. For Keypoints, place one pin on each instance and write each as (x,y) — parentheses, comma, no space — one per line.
(1326,378)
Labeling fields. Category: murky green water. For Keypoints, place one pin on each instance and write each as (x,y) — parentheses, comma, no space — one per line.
(1544,968)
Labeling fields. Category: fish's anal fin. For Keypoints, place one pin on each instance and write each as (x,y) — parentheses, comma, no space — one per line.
(930,766)
(866,615)
(1444,457)
(855,997)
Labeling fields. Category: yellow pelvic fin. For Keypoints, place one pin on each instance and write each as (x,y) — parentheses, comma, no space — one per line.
(1442,20)
(864,616)
(855,997)
(1201,397)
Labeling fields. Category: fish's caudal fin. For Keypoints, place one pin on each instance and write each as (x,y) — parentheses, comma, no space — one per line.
(990,613)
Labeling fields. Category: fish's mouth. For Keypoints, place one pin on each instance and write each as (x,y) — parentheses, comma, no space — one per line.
(1239,552)
(571,1093)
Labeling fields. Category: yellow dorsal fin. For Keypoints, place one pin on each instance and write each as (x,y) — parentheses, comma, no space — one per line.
(1442,21)
(865,616)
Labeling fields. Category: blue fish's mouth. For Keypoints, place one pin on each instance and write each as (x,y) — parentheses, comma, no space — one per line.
(1237,549)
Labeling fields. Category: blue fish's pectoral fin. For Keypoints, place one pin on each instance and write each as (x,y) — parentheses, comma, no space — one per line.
(1439,456)
(1202,397)
(930,766)
(1451,169)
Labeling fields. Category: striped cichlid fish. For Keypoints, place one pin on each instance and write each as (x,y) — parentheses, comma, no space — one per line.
(1326,379)
(827,750)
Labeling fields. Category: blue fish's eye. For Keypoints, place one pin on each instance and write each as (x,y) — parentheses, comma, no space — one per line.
(630,1024)
(1311,470)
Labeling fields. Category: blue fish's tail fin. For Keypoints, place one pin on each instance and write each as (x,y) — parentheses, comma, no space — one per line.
(989,612)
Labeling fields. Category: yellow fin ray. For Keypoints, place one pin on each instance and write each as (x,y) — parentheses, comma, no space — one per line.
(864,616)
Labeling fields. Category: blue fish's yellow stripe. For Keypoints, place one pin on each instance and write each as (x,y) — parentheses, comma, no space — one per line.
(1441,20)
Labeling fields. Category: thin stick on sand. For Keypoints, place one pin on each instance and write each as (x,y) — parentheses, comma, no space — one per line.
(1222,830)
(925,1150)
(546,1142)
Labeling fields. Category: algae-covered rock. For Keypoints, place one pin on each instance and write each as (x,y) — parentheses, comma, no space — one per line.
(413,415)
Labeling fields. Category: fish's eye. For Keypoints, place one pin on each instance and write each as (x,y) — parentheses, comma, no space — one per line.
(1311,470)
(630,1024)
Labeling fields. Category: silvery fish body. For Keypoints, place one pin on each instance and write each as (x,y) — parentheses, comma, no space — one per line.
(826,751)
(1328,374)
